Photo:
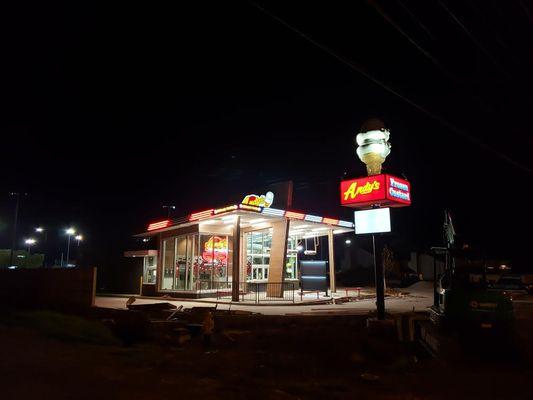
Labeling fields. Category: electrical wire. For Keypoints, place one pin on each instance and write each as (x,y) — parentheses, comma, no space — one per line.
(426,53)
(358,68)
(417,20)
(474,39)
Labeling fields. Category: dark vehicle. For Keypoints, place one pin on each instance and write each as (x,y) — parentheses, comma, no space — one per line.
(511,284)
(463,303)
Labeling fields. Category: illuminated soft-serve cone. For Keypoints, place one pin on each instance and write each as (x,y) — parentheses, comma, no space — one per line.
(373,148)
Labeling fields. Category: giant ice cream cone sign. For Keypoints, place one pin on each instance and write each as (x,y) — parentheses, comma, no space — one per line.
(373,148)
(378,188)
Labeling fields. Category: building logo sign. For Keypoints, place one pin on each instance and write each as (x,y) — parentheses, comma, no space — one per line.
(354,190)
(383,190)
(217,246)
(363,190)
(265,200)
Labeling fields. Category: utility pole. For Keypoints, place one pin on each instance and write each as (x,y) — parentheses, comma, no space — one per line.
(15,222)
(69,232)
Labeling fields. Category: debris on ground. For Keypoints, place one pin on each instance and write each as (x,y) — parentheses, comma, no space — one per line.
(369,377)
(151,306)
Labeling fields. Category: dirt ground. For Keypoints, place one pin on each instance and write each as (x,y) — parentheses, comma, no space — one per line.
(257,357)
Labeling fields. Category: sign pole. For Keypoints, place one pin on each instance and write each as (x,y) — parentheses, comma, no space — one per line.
(380,282)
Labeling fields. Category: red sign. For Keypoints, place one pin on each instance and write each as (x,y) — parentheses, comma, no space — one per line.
(381,189)
(398,190)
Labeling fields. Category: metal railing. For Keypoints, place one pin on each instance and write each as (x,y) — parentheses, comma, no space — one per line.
(255,292)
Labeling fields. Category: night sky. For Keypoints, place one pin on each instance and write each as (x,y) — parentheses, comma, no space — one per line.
(110,111)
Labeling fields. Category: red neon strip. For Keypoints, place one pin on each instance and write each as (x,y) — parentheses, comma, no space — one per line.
(330,221)
(294,215)
(201,214)
(158,225)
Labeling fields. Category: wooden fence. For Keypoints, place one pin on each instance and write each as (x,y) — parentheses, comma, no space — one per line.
(48,288)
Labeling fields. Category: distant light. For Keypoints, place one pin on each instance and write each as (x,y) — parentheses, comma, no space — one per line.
(12,267)
(79,237)
(145,240)
(299,247)
(70,231)
(30,241)
(347,241)
(39,229)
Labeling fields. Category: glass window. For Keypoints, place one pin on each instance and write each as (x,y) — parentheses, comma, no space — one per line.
(214,260)
(180,263)
(258,245)
(169,249)
(291,265)
(150,268)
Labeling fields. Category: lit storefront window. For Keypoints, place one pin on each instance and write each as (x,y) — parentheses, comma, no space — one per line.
(213,264)
(291,266)
(169,250)
(149,270)
(179,255)
(258,244)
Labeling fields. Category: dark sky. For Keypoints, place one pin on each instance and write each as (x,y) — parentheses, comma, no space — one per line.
(110,110)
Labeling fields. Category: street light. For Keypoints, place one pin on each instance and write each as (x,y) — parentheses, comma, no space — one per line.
(69,232)
(169,208)
(42,231)
(30,242)
(79,238)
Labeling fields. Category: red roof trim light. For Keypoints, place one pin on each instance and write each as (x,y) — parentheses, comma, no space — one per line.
(201,214)
(158,225)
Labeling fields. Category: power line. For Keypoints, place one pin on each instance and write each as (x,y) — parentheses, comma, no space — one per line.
(417,20)
(474,40)
(411,40)
(359,69)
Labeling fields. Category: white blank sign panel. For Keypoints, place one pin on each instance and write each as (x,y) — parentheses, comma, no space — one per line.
(372,221)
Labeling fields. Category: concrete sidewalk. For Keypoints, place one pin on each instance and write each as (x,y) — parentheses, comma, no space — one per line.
(420,298)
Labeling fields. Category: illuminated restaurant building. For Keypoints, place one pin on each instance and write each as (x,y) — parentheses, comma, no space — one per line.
(245,242)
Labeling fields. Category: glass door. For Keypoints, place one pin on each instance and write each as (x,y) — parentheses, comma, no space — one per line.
(258,244)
